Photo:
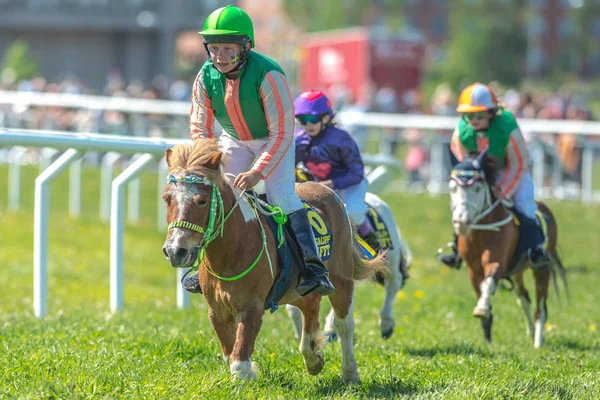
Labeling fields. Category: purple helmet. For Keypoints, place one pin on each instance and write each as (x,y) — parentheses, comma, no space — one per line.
(313,102)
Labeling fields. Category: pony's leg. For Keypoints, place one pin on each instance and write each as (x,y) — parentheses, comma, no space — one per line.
(224,327)
(342,303)
(329,328)
(250,320)
(484,288)
(296,317)
(310,343)
(524,302)
(476,276)
(483,308)
(386,316)
(542,280)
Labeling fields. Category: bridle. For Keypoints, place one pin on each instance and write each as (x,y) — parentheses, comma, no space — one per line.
(474,176)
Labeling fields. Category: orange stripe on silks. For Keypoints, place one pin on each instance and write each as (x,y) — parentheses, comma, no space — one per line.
(234,112)
(519,166)
(210,118)
(281,127)
(287,88)
(456,148)
(194,131)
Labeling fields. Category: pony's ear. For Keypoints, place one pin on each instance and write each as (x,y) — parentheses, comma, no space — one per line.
(214,161)
(481,159)
(168,155)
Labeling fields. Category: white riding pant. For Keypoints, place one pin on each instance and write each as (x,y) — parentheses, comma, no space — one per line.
(354,198)
(239,156)
(524,196)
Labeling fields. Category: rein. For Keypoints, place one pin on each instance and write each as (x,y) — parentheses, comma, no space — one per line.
(217,213)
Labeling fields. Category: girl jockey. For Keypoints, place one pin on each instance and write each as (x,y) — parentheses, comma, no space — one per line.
(332,157)
(248,94)
(486,125)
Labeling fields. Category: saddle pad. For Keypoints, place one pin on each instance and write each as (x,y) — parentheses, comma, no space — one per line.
(530,236)
(381,230)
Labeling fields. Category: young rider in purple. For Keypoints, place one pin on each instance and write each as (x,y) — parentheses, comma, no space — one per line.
(332,157)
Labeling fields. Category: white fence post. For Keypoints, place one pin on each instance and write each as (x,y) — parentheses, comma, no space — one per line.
(75,189)
(161,221)
(183,297)
(587,182)
(436,167)
(40,235)
(15,159)
(116,230)
(46,156)
(133,196)
(106,170)
(537,157)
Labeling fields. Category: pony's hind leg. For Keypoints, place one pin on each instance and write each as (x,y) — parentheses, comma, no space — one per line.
(310,343)
(342,302)
(296,317)
(542,280)
(524,302)
(329,329)
(392,285)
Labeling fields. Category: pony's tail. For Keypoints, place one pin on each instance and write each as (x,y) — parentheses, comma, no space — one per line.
(364,269)
(557,268)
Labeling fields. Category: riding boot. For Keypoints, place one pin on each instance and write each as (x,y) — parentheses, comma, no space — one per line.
(453,260)
(315,277)
(192,284)
(538,256)
(366,231)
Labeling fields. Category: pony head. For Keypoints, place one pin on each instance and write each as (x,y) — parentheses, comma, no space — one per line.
(192,195)
(469,191)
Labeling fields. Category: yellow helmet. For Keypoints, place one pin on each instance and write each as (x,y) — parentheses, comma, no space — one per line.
(477,97)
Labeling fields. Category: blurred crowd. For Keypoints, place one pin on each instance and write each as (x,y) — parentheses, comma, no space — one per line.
(412,146)
(109,122)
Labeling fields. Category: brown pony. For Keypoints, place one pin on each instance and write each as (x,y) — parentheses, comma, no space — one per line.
(488,239)
(239,261)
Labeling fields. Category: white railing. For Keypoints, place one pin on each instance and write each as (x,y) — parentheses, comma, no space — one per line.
(145,152)
(438,145)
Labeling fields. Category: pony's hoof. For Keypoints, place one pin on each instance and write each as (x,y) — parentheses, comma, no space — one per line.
(352,378)
(331,337)
(386,326)
(244,370)
(481,312)
(387,334)
(317,367)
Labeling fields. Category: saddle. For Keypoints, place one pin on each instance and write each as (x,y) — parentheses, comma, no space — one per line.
(289,253)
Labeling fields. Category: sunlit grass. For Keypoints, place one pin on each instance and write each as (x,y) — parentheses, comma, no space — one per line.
(153,350)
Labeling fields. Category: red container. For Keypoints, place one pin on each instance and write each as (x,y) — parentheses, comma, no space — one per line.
(354,59)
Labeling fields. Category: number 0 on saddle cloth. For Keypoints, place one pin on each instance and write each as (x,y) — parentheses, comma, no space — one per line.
(324,237)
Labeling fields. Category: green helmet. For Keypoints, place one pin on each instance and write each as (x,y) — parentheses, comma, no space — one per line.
(228,24)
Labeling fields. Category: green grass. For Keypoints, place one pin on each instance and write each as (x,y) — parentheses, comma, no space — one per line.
(153,350)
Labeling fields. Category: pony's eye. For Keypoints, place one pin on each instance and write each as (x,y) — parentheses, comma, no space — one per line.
(202,202)
(477,189)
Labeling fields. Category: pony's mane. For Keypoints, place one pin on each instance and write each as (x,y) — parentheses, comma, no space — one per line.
(195,159)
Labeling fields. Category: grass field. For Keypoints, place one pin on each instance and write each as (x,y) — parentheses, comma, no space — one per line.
(153,350)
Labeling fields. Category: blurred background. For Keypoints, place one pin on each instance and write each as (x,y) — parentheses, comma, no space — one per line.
(402,58)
